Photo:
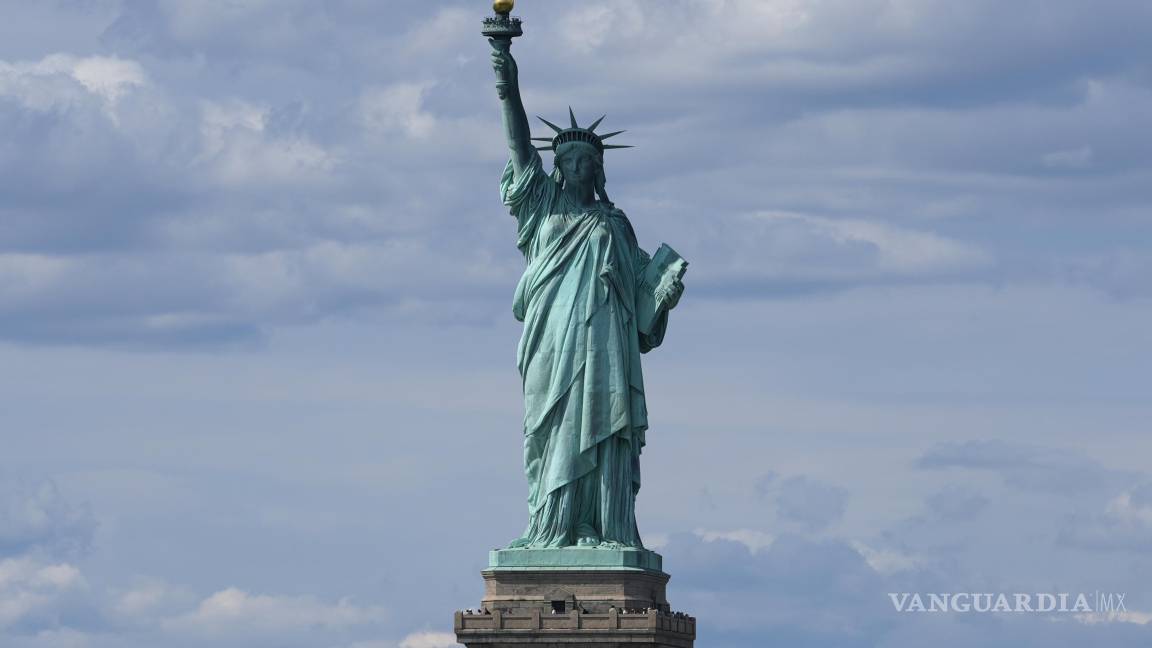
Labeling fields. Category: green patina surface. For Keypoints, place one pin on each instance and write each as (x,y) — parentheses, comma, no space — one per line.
(575,558)
(592,301)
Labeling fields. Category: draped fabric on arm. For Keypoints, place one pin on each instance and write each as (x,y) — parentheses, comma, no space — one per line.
(655,338)
(579,358)
(528,196)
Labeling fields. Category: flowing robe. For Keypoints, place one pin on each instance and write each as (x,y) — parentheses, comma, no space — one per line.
(579,358)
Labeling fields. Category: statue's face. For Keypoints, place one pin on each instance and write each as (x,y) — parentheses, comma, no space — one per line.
(579,166)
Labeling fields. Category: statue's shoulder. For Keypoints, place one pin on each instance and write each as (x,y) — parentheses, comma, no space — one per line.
(622,220)
(612,210)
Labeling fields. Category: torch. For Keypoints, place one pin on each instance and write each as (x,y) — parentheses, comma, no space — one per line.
(501,28)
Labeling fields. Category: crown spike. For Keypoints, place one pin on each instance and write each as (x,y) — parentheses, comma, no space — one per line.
(577,134)
(550,124)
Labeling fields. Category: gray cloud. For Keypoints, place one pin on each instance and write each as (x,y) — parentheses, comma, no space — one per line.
(956,503)
(825,593)
(273,132)
(1124,523)
(809,503)
(37,518)
(1026,466)
(906,221)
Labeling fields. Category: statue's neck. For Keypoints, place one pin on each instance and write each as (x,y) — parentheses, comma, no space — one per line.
(582,197)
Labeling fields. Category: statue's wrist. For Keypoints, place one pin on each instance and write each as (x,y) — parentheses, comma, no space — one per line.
(507,91)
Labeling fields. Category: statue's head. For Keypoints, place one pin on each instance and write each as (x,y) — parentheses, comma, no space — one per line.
(581,164)
(579,153)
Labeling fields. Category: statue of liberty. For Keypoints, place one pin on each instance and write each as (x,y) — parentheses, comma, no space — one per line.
(591,302)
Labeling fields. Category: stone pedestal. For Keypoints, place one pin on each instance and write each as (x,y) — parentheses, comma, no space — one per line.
(576,598)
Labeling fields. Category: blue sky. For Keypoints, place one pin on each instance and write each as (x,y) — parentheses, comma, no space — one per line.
(255,289)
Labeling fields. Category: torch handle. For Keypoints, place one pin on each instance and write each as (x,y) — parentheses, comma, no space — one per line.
(503,45)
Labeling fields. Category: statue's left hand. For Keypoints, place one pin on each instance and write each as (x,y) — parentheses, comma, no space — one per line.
(670,296)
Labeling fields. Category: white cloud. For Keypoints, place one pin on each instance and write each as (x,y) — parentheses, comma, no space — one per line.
(108,77)
(41,604)
(398,108)
(1124,524)
(791,246)
(1124,509)
(429,640)
(590,25)
(220,118)
(751,538)
(1132,616)
(886,561)
(238,150)
(31,589)
(448,28)
(424,639)
(233,610)
(38,84)
(893,249)
(149,600)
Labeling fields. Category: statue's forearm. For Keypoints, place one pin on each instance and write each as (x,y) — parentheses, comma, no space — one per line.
(516,128)
(511,106)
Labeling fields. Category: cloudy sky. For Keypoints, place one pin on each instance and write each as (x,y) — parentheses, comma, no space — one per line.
(259,386)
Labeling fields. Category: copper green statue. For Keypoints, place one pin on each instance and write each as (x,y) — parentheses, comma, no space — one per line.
(592,301)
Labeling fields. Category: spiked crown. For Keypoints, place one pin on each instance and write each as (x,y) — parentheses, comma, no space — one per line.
(577,134)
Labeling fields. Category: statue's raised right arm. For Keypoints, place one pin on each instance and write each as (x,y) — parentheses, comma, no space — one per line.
(515,119)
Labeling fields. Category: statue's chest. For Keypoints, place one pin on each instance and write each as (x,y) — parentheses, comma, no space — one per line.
(581,228)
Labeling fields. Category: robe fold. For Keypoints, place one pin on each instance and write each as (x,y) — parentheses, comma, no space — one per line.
(579,358)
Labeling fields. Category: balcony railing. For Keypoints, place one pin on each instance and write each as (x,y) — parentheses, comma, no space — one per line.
(614,620)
